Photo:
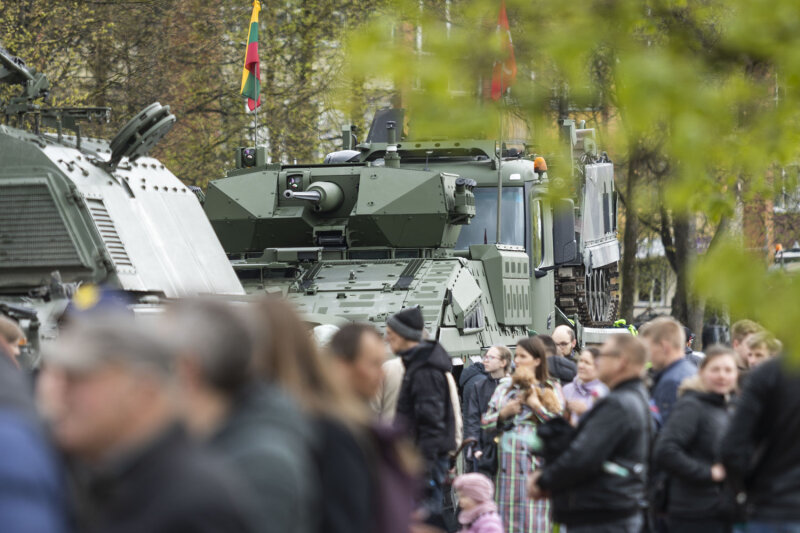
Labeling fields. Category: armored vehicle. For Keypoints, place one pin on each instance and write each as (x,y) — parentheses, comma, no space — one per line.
(392,223)
(77,210)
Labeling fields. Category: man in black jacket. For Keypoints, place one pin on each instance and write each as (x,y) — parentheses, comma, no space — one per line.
(113,412)
(760,447)
(424,405)
(598,482)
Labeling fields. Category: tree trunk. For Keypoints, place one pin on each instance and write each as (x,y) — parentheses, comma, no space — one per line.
(629,271)
(686,308)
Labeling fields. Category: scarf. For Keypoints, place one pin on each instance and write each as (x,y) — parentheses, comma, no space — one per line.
(587,389)
(467,517)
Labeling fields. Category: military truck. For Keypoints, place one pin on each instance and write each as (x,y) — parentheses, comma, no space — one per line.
(391,223)
(76,210)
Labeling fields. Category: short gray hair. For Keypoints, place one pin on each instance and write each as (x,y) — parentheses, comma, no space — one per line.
(216,336)
(87,345)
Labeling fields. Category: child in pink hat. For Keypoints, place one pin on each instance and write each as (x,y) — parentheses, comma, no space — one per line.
(478,510)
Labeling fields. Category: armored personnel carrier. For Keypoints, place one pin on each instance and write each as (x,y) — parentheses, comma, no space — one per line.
(392,223)
(77,210)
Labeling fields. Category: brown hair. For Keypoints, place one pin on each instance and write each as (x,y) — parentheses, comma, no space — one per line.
(665,328)
(741,329)
(594,350)
(285,354)
(715,352)
(536,348)
(549,345)
(346,342)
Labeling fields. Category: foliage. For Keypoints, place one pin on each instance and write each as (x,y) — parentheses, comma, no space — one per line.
(707,88)
(188,54)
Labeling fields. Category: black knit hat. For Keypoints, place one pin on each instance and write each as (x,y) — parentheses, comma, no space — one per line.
(408,323)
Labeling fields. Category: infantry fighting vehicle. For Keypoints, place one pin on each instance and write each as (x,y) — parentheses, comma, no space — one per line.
(392,223)
(79,210)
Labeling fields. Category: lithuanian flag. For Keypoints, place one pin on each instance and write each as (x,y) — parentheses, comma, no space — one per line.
(251,75)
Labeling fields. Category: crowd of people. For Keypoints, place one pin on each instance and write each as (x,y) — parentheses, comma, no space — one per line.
(224,418)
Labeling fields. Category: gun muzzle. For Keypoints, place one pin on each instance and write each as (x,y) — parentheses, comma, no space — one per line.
(311,196)
(325,196)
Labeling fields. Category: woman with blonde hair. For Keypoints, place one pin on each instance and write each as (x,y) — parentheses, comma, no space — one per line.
(518,406)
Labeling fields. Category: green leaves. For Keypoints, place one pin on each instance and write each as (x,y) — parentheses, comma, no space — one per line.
(705,91)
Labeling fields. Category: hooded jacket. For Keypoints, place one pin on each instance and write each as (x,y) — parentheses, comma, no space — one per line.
(687,447)
(760,446)
(600,477)
(562,369)
(424,404)
(474,372)
(269,442)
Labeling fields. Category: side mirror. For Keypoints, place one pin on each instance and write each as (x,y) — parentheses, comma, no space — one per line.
(565,247)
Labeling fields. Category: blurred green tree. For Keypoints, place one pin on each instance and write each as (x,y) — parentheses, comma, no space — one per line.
(696,101)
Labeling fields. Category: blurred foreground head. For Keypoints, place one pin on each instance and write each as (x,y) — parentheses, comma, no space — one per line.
(666,341)
(357,355)
(105,387)
(286,354)
(213,350)
(11,337)
(622,357)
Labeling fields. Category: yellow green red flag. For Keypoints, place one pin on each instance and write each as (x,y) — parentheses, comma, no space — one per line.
(251,75)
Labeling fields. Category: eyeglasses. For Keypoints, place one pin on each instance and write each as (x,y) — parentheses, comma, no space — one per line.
(563,344)
(487,356)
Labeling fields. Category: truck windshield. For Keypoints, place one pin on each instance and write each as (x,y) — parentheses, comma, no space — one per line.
(483,228)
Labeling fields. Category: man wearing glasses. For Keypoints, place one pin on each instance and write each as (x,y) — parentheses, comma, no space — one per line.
(565,341)
(598,482)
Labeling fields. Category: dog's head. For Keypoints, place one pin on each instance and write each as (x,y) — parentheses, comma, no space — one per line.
(524,378)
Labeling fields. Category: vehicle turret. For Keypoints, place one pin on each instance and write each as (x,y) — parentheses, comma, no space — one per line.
(398,220)
(80,210)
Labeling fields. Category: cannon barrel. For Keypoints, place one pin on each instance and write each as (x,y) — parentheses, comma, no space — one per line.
(325,196)
(311,196)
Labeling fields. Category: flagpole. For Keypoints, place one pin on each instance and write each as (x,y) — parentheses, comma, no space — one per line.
(500,167)
(255,131)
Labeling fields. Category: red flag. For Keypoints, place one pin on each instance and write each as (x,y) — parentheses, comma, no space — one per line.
(505,71)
